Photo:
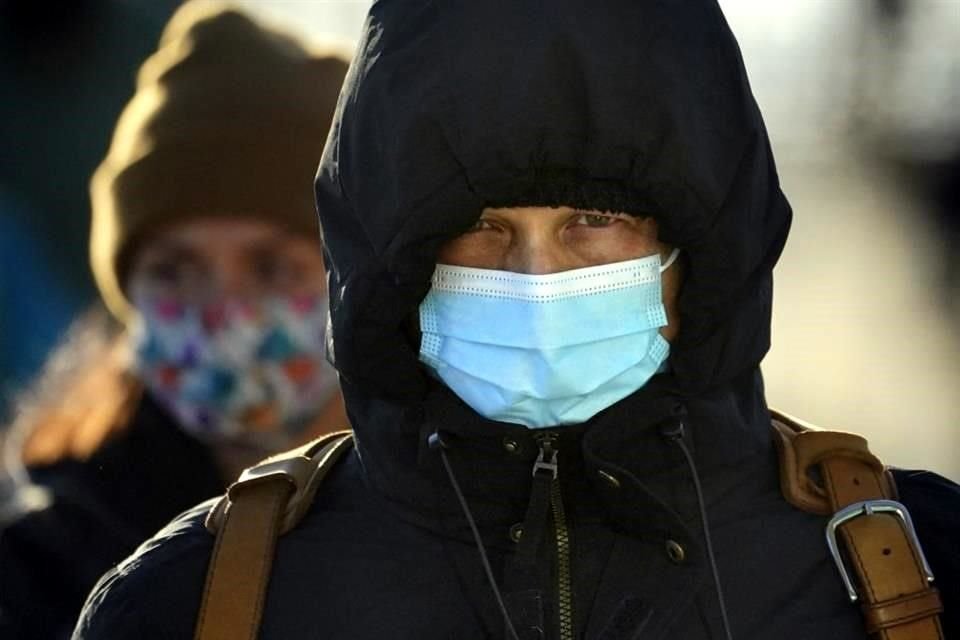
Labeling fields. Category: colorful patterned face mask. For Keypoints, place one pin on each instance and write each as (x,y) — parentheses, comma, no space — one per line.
(252,372)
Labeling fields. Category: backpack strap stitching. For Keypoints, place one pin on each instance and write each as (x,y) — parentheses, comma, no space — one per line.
(899,611)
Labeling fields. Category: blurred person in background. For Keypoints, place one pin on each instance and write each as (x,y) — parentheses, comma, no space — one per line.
(204,246)
(551,255)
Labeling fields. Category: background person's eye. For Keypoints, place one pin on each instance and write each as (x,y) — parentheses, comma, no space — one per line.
(167,272)
(172,275)
(172,272)
(276,271)
(267,268)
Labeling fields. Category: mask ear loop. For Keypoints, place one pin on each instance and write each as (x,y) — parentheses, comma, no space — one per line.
(670,260)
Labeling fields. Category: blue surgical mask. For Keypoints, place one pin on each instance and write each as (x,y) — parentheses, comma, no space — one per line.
(545,350)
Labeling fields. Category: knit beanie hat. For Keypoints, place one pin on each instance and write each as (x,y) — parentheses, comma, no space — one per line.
(229,119)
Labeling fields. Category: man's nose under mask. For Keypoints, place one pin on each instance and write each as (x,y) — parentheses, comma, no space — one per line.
(545,350)
(252,373)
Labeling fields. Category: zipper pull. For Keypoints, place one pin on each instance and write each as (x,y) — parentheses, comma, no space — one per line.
(547,452)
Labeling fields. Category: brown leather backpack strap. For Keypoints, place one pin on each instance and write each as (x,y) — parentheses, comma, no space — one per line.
(240,566)
(268,500)
(829,472)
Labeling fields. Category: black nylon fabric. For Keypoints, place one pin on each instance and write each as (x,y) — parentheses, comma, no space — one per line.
(449,106)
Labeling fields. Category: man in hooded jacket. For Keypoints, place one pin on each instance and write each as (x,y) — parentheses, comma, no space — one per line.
(651,511)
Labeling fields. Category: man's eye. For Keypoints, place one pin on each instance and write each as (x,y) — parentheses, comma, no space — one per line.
(481,225)
(597,219)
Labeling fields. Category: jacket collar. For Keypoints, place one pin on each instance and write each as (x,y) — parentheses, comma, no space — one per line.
(621,458)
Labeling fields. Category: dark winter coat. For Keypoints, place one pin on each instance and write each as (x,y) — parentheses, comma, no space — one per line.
(641,107)
(79,519)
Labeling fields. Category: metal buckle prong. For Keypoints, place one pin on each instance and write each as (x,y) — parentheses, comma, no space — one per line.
(869,508)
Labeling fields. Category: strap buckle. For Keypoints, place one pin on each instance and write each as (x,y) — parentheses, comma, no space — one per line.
(869,508)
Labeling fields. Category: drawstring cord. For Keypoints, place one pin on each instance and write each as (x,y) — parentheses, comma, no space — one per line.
(674,433)
(436,442)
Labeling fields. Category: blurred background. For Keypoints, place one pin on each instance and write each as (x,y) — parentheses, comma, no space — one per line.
(862,100)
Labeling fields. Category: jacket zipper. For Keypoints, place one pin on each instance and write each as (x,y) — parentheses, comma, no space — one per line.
(547,461)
